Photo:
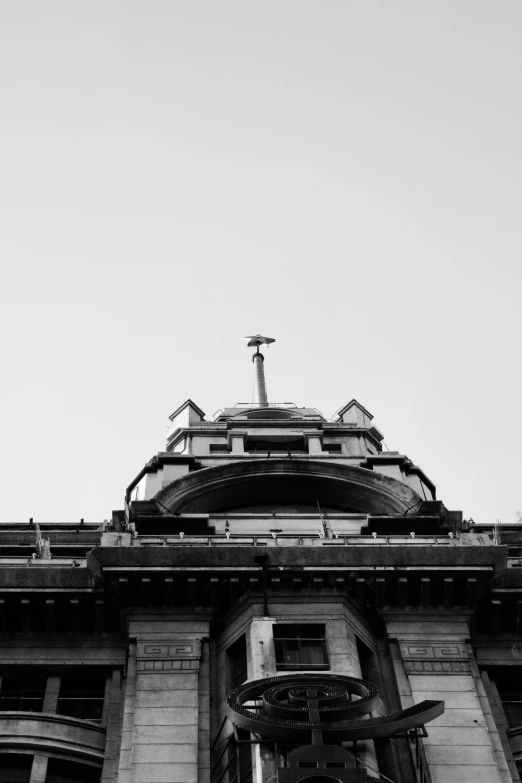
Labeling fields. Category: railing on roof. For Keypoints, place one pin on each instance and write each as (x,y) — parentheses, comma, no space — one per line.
(55,562)
(267,405)
(291,539)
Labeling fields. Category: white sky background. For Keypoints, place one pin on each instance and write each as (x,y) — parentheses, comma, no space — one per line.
(343,176)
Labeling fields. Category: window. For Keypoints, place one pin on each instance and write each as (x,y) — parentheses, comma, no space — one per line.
(237,662)
(333,448)
(22,693)
(508,682)
(300,647)
(276,447)
(512,703)
(15,768)
(59,771)
(511,697)
(82,698)
(369,670)
(218,448)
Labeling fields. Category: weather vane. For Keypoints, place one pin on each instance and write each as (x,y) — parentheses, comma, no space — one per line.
(260,395)
(257,340)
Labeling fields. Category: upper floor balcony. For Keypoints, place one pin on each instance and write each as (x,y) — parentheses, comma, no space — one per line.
(51,734)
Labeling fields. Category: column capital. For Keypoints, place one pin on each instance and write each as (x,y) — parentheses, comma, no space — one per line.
(155,654)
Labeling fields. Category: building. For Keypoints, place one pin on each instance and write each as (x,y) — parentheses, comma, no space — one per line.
(279,599)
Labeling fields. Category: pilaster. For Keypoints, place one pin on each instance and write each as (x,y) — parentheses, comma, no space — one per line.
(113,739)
(260,648)
(166,704)
(236,441)
(431,661)
(314,440)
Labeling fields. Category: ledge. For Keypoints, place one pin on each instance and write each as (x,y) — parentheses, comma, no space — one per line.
(49,733)
(51,579)
(340,557)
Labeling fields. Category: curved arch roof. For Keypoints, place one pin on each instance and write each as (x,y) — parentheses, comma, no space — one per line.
(251,482)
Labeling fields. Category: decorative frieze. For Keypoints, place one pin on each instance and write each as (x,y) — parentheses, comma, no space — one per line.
(432,667)
(168,656)
(433,651)
(447,657)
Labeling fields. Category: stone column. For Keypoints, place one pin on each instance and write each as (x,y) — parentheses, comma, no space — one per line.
(431,661)
(344,659)
(314,442)
(52,692)
(261,663)
(236,442)
(113,738)
(166,721)
(260,649)
(38,769)
(342,648)
(204,715)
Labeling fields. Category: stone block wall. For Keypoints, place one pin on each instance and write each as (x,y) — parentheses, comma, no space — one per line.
(432,661)
(166,707)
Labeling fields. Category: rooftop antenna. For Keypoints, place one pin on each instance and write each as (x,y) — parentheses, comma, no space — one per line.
(43,545)
(260,395)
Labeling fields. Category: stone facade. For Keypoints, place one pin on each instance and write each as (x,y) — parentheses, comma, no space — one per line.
(267,543)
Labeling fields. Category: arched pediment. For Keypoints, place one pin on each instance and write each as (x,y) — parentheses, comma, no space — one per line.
(282,481)
(274,414)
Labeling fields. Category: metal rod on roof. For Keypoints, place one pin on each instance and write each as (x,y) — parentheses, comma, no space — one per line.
(260,395)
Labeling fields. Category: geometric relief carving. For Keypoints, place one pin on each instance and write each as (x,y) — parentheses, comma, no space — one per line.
(433,667)
(183,649)
(165,665)
(433,658)
(433,652)
(153,656)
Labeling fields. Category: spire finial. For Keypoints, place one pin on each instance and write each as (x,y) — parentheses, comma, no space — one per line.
(260,395)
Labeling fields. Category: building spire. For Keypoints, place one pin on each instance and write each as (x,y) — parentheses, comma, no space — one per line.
(260,395)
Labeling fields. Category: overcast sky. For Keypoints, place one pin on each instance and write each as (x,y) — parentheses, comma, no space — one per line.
(342,176)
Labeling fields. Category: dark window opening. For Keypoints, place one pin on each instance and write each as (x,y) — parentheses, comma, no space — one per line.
(307,764)
(15,768)
(82,698)
(321,779)
(22,694)
(276,447)
(512,704)
(245,766)
(333,448)
(300,647)
(335,765)
(217,448)
(508,682)
(59,771)
(237,662)
(367,661)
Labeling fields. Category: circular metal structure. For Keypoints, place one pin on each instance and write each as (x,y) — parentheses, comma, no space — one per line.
(294,708)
